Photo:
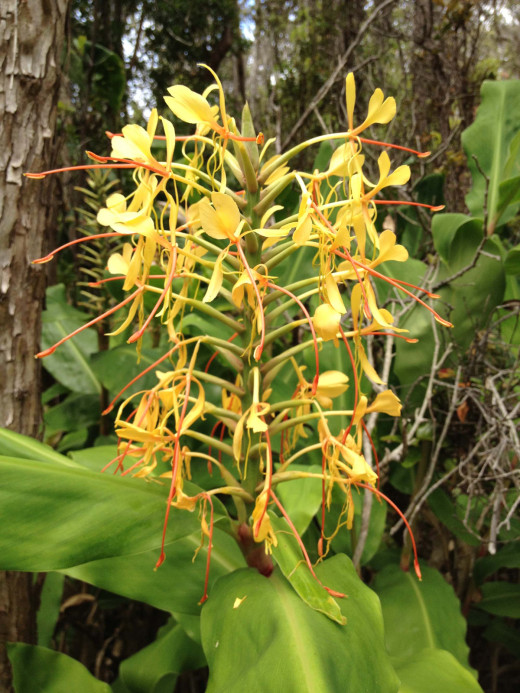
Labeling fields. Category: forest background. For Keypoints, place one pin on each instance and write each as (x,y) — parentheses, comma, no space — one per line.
(452,463)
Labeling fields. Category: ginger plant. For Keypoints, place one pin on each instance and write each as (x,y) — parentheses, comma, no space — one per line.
(205,232)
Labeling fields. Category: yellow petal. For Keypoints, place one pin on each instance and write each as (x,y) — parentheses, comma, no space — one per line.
(216,280)
(383,163)
(237,438)
(303,231)
(169,132)
(332,383)
(387,403)
(400,176)
(388,250)
(333,294)
(350,89)
(116,203)
(188,105)
(117,265)
(222,220)
(326,322)
(254,421)
(365,364)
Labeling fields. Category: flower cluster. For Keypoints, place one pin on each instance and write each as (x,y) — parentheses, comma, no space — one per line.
(204,231)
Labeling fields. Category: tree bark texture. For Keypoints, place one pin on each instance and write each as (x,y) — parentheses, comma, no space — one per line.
(31,49)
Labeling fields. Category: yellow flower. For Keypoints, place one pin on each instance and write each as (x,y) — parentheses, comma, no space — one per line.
(326,322)
(223,219)
(262,528)
(189,106)
(380,110)
(134,219)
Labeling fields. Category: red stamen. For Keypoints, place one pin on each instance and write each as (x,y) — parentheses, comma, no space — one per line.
(137,377)
(84,167)
(421,155)
(333,593)
(403,518)
(50,256)
(137,335)
(433,208)
(53,348)
(391,334)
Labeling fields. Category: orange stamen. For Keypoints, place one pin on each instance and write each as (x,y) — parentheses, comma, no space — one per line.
(416,566)
(332,592)
(53,348)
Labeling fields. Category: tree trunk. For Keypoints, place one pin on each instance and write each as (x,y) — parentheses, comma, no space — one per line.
(31,48)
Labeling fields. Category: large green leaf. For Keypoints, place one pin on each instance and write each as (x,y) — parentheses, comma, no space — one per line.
(491,140)
(273,641)
(289,557)
(178,585)
(420,615)
(431,671)
(154,669)
(63,516)
(501,598)
(70,363)
(37,669)
(16,445)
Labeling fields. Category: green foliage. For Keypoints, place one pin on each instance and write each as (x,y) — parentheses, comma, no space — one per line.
(155,668)
(285,645)
(70,365)
(40,669)
(78,516)
(492,145)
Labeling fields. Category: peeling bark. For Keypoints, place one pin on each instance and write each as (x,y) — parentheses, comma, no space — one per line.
(31,47)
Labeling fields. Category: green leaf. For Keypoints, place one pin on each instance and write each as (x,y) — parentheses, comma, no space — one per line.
(154,669)
(444,227)
(16,445)
(449,513)
(512,261)
(50,602)
(64,516)
(39,669)
(433,670)
(289,557)
(492,139)
(506,557)
(177,585)
(286,646)
(420,615)
(501,599)
(70,363)
(94,458)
